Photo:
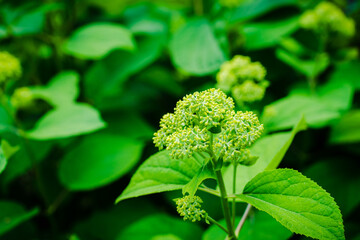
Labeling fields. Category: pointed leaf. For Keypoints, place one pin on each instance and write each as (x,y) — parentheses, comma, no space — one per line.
(160,173)
(296,202)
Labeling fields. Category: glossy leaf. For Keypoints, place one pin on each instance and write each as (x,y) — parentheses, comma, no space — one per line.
(258,225)
(95,40)
(195,50)
(69,121)
(270,149)
(296,202)
(99,160)
(260,35)
(160,173)
(157,225)
(12,214)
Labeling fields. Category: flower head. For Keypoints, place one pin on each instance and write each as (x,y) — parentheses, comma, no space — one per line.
(22,98)
(10,67)
(202,114)
(245,79)
(189,207)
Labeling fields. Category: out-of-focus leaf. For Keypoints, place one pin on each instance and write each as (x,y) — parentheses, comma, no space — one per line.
(347,72)
(297,202)
(195,50)
(3,160)
(105,77)
(340,179)
(61,90)
(319,110)
(258,225)
(309,67)
(267,34)
(160,224)
(160,173)
(347,130)
(71,120)
(6,151)
(253,8)
(270,149)
(98,160)
(95,40)
(6,123)
(12,214)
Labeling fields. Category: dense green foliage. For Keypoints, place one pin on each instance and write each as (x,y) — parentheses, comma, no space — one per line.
(85,83)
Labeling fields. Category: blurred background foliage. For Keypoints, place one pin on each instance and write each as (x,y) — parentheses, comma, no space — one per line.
(97,75)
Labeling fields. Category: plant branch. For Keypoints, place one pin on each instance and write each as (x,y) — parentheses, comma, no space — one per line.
(242,221)
(216,223)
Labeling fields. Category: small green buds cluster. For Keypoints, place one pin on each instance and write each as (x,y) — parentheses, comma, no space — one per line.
(327,17)
(189,207)
(10,67)
(22,98)
(243,78)
(206,122)
(230,3)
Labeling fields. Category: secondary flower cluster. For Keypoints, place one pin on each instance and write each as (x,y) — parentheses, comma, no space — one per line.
(189,207)
(243,78)
(206,122)
(327,17)
(10,67)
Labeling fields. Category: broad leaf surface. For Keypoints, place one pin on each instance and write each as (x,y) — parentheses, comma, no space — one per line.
(6,151)
(296,202)
(195,50)
(61,90)
(349,72)
(3,160)
(347,130)
(95,40)
(204,173)
(157,225)
(258,226)
(98,160)
(72,120)
(160,173)
(270,150)
(267,34)
(12,214)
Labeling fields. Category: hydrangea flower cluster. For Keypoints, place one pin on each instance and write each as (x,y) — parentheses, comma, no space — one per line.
(243,78)
(206,122)
(10,67)
(189,207)
(327,17)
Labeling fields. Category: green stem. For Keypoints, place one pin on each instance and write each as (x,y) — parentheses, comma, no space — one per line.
(209,190)
(225,205)
(234,191)
(242,221)
(210,219)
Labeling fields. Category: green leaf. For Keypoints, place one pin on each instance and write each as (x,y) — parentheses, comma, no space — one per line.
(72,120)
(205,172)
(267,34)
(348,72)
(253,8)
(308,67)
(296,202)
(319,110)
(270,149)
(195,50)
(3,160)
(96,40)
(61,90)
(160,224)
(6,151)
(160,173)
(258,226)
(13,214)
(343,184)
(347,130)
(106,77)
(6,123)
(99,160)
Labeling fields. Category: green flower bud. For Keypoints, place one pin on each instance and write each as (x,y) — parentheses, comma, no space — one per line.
(245,79)
(189,207)
(328,17)
(199,115)
(22,98)
(10,67)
